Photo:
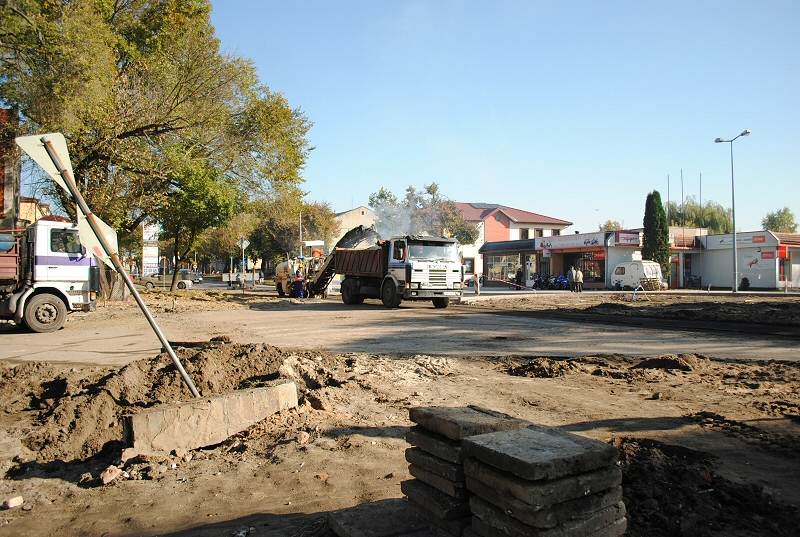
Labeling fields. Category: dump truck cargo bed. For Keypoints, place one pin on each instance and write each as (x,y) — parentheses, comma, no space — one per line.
(369,262)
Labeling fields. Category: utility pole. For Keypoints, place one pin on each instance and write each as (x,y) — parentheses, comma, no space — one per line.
(702,212)
(668,221)
(683,203)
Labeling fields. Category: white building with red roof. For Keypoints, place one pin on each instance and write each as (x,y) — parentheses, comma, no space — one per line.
(501,223)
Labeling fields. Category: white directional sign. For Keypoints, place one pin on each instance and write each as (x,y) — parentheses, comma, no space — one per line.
(244,243)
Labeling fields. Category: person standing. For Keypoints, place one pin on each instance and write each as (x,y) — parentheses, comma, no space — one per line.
(571,279)
(579,281)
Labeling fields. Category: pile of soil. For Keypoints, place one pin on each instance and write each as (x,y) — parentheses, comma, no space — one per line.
(672,491)
(680,362)
(543,368)
(81,417)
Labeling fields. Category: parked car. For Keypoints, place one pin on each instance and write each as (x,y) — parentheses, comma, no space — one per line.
(152,281)
(186,274)
(631,274)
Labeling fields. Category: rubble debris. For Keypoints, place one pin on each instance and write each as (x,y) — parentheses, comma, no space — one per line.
(12,502)
(110,474)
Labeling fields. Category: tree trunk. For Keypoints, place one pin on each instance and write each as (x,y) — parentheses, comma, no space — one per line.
(176,267)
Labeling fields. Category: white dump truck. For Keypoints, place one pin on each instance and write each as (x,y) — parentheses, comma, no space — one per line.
(45,273)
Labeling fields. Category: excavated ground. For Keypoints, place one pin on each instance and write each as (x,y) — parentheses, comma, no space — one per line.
(708,447)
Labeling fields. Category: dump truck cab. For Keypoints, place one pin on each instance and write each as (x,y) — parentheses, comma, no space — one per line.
(45,273)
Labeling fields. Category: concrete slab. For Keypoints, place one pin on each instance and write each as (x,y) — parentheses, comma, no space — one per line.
(550,516)
(385,518)
(435,444)
(457,423)
(448,470)
(443,528)
(205,421)
(539,494)
(536,452)
(456,489)
(435,502)
(486,516)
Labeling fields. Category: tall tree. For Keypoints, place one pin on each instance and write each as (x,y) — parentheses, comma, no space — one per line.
(782,221)
(711,215)
(610,225)
(420,212)
(127,80)
(655,244)
(202,198)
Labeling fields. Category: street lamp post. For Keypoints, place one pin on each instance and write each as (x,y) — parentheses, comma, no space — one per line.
(745,132)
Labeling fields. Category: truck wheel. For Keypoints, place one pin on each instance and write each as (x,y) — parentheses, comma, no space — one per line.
(45,313)
(350,294)
(149,286)
(389,295)
(181,285)
(281,291)
(440,303)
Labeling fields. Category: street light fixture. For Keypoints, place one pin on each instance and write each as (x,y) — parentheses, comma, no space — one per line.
(745,132)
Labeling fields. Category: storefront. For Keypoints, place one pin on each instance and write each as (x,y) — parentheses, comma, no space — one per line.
(503,259)
(592,253)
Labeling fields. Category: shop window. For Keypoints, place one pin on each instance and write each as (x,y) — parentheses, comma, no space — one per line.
(556,232)
(523,234)
(469,265)
(502,267)
(619,271)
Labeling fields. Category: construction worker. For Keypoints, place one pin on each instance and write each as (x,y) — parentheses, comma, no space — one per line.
(298,285)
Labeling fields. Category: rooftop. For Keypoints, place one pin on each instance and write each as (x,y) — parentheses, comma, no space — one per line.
(475,212)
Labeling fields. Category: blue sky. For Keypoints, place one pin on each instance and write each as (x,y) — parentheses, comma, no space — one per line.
(574,110)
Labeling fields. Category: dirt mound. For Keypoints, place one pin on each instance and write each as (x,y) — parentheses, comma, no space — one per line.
(85,419)
(672,491)
(544,368)
(680,362)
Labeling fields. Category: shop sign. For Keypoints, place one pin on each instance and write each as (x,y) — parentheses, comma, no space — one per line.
(546,253)
(598,256)
(585,240)
(626,238)
(769,254)
(743,240)
(759,239)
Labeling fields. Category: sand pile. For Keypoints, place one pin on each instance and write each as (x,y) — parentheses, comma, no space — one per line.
(83,416)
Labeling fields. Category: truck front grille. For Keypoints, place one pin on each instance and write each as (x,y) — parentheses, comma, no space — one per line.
(437,278)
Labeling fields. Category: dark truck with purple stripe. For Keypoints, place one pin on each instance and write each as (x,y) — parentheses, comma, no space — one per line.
(45,274)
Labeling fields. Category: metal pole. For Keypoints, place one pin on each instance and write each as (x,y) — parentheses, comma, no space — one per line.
(90,217)
(668,220)
(702,212)
(244,269)
(733,217)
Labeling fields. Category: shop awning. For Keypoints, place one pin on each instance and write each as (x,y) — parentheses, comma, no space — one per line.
(512,247)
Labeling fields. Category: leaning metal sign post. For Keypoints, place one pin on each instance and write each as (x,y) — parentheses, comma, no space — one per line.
(65,179)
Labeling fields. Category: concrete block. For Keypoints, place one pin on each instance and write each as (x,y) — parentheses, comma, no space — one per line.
(448,470)
(536,452)
(205,421)
(379,519)
(456,489)
(457,423)
(434,501)
(436,445)
(442,527)
(489,516)
(550,516)
(616,529)
(539,494)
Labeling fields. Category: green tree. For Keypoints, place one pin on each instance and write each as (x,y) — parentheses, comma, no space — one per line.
(420,212)
(610,225)
(782,221)
(127,80)
(712,216)
(201,198)
(655,244)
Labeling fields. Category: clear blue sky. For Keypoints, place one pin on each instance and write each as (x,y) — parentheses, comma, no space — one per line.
(574,110)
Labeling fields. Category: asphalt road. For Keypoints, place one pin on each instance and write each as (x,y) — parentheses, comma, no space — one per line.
(414,329)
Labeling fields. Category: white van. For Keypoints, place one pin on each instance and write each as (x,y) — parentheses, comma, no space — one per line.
(632,274)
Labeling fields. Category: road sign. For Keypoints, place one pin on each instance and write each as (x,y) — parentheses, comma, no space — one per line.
(313,243)
(244,243)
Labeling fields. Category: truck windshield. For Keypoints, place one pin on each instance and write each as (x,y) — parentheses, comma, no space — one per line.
(433,250)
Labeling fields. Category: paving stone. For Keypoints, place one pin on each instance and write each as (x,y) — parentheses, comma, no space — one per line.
(434,501)
(617,529)
(550,516)
(379,519)
(542,493)
(457,423)
(492,517)
(435,444)
(447,528)
(536,452)
(456,489)
(469,532)
(448,470)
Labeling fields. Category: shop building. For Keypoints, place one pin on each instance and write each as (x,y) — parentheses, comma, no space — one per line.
(499,223)
(767,260)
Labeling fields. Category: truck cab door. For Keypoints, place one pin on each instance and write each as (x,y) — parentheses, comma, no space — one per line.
(398,259)
(64,259)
